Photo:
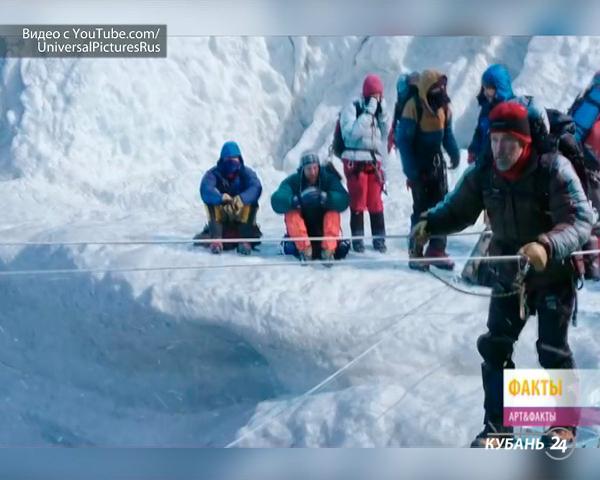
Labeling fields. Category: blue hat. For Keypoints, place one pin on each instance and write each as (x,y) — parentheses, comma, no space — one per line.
(230,149)
(497,76)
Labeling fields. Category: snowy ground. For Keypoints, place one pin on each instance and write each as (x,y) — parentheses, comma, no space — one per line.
(114,150)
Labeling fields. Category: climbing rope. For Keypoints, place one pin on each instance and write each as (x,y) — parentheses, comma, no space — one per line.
(385,334)
(205,241)
(245,264)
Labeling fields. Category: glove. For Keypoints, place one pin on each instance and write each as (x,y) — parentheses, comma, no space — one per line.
(379,109)
(323,199)
(372,106)
(419,233)
(454,163)
(536,254)
(226,199)
(296,202)
(471,158)
(237,205)
(310,197)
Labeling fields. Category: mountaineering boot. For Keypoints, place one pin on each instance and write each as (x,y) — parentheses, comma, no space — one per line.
(357,229)
(216,247)
(444,262)
(558,434)
(305,255)
(215,230)
(491,435)
(328,256)
(244,248)
(378,231)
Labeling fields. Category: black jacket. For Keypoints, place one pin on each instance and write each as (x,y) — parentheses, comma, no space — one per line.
(546,204)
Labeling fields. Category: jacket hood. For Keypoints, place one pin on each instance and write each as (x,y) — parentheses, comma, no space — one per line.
(229,149)
(427,79)
(496,76)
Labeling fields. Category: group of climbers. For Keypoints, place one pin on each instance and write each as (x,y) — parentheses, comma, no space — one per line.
(533,172)
(313,197)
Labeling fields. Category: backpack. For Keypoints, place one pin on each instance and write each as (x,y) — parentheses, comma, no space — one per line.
(412,92)
(562,139)
(585,111)
(399,108)
(337,145)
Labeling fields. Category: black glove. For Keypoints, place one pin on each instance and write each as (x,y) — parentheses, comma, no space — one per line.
(454,163)
(310,197)
(379,110)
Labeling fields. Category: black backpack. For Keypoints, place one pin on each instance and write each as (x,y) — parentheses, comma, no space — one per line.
(337,145)
(561,139)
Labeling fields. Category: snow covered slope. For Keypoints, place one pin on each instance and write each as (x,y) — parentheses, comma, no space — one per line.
(114,150)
